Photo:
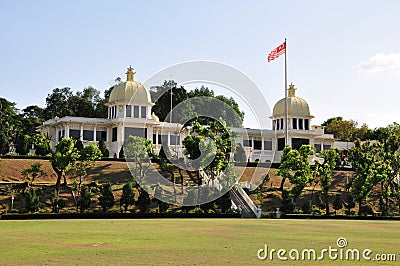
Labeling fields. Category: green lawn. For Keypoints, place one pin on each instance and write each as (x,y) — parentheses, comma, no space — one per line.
(185,241)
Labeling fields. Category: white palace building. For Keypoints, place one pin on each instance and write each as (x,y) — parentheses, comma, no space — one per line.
(130,113)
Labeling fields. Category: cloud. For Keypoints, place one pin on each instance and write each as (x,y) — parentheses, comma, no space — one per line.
(380,62)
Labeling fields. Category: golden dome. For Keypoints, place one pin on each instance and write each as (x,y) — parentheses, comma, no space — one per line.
(131,91)
(297,106)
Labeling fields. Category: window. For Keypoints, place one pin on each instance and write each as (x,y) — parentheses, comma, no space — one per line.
(268,145)
(294,121)
(247,143)
(101,135)
(327,147)
(281,144)
(114,134)
(300,123)
(164,139)
(74,133)
(298,142)
(278,126)
(159,139)
(281,123)
(88,135)
(306,124)
(257,144)
(136,111)
(134,131)
(317,147)
(129,111)
(174,140)
(154,138)
(143,112)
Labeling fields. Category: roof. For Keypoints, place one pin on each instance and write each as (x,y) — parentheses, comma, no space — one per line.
(130,91)
(297,106)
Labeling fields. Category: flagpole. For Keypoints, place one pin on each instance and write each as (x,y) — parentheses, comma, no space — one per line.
(286,101)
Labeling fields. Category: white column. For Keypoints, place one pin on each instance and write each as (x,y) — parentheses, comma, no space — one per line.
(121,128)
(66,131)
(94,133)
(262,143)
(81,134)
(108,135)
(169,136)
(124,110)
(156,132)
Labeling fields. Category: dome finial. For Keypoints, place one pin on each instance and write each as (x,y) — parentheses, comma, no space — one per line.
(292,90)
(130,74)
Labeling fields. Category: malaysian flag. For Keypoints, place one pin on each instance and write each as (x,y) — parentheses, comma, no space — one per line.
(280,50)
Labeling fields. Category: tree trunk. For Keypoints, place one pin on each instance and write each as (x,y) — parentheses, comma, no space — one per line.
(327,204)
(282,183)
(65,180)
(59,176)
(359,207)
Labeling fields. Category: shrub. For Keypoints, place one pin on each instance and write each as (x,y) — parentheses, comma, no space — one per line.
(337,203)
(307,207)
(143,201)
(31,201)
(103,148)
(366,210)
(85,199)
(128,196)
(320,202)
(57,203)
(106,199)
(288,205)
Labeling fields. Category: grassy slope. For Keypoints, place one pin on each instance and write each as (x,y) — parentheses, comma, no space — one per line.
(183,241)
(118,173)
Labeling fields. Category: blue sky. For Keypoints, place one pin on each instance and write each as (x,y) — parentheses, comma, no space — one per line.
(343,56)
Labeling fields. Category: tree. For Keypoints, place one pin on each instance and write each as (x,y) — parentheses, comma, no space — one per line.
(295,166)
(106,199)
(32,201)
(78,106)
(161,96)
(10,125)
(88,156)
(199,101)
(347,130)
(240,154)
(128,196)
(56,103)
(57,203)
(63,158)
(85,199)
(39,142)
(202,101)
(389,144)
(325,171)
(103,148)
(369,169)
(224,202)
(337,203)
(210,149)
(32,173)
(137,151)
(143,200)
(320,202)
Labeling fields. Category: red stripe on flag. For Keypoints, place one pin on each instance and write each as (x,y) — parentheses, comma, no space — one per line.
(278,51)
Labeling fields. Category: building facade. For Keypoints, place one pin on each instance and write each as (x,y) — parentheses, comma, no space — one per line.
(130,113)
